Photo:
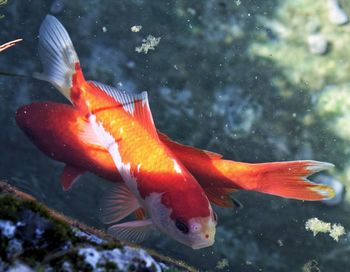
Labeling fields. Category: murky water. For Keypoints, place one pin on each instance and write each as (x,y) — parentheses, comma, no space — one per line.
(256,81)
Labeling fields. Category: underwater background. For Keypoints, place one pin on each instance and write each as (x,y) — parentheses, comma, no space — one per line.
(256,81)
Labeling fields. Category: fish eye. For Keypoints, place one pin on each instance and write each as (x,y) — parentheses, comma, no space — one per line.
(181,226)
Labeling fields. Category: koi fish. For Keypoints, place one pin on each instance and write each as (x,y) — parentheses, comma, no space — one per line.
(54,129)
(122,124)
(9,44)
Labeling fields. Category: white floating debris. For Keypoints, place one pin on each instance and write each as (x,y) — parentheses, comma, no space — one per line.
(337,231)
(104,29)
(280,243)
(317,44)
(318,226)
(222,264)
(136,28)
(148,44)
(311,266)
(336,14)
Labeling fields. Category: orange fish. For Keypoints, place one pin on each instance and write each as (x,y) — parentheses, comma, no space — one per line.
(54,129)
(122,124)
(107,130)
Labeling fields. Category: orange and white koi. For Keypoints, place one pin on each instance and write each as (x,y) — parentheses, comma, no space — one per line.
(60,131)
(54,129)
(121,123)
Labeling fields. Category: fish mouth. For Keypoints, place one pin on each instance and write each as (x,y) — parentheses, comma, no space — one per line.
(203,244)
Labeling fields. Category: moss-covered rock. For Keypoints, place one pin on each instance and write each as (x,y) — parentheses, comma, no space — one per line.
(35,237)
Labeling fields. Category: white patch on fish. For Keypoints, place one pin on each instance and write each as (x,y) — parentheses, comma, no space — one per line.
(111,145)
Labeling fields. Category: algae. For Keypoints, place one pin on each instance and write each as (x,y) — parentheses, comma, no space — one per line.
(311,266)
(2,2)
(147,44)
(38,238)
(318,226)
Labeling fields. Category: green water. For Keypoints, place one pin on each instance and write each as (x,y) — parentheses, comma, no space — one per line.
(235,77)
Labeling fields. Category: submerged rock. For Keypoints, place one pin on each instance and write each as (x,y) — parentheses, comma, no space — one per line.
(34,237)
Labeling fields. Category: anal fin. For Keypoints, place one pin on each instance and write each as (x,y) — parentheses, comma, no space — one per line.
(134,231)
(69,175)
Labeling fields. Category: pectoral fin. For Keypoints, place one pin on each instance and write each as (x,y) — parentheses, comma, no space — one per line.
(69,176)
(118,204)
(134,231)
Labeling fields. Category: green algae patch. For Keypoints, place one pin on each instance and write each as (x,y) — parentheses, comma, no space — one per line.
(36,237)
(318,226)
(311,266)
(2,2)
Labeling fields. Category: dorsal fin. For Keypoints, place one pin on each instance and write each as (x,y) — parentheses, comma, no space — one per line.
(135,104)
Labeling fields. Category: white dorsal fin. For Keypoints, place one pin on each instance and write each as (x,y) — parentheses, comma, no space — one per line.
(57,55)
(134,231)
(122,97)
(136,104)
(118,204)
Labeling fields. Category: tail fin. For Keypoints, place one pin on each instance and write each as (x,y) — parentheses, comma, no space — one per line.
(285,179)
(57,55)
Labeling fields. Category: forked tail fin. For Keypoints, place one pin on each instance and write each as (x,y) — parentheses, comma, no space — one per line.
(57,55)
(285,179)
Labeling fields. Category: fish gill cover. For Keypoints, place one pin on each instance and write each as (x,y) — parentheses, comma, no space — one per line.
(254,80)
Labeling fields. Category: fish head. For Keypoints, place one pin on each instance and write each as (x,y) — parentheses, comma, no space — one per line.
(185,217)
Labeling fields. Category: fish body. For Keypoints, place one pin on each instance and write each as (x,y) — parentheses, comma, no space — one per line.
(122,125)
(54,129)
